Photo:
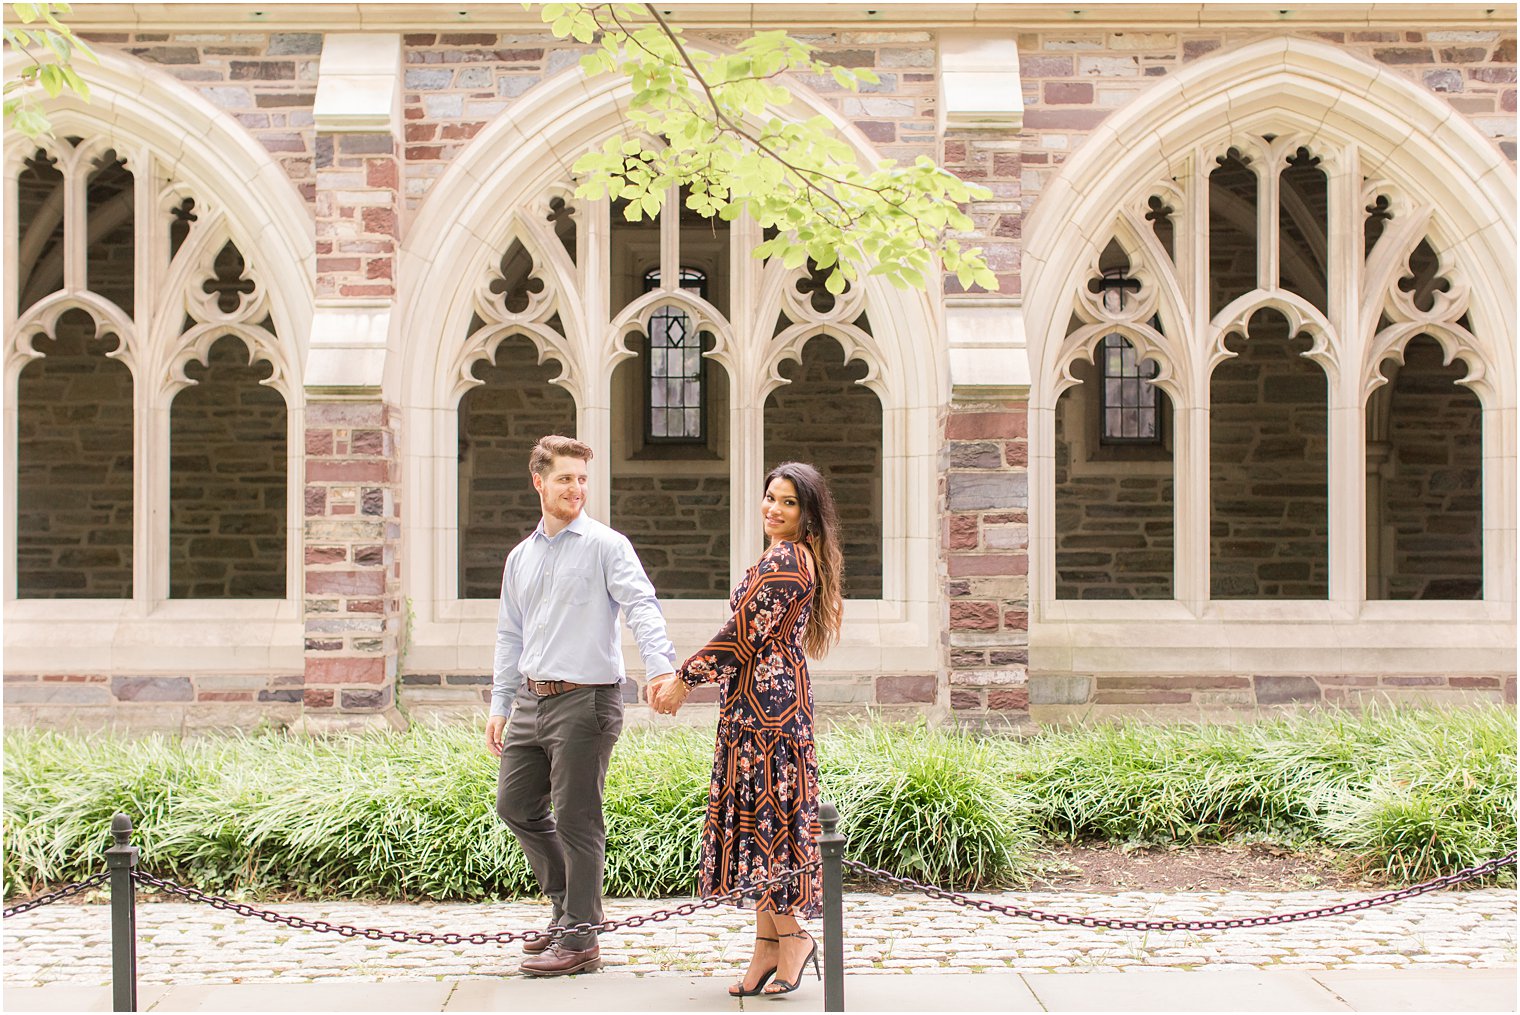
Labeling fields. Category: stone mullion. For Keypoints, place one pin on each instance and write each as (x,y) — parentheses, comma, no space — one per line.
(746,427)
(594,405)
(1346,451)
(1191,446)
(151,443)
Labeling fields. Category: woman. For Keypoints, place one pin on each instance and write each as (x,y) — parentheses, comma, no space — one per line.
(762,808)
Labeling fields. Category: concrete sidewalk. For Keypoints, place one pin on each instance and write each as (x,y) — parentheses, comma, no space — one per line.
(1147,990)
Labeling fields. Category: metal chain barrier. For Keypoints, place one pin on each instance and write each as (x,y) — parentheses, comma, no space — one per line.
(477,938)
(1117,923)
(93,881)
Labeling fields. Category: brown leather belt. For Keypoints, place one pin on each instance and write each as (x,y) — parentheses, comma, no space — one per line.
(549,688)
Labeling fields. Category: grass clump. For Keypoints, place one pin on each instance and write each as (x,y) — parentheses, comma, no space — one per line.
(1402,794)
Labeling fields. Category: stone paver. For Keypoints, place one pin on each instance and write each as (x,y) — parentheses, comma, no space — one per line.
(179,943)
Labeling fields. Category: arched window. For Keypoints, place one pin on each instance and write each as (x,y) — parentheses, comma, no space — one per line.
(142,327)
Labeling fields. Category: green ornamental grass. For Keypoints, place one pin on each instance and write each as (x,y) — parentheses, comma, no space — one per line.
(1401,794)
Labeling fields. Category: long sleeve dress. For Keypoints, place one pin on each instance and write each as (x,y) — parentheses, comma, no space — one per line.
(762,806)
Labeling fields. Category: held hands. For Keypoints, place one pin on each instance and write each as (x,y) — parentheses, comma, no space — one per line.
(666,693)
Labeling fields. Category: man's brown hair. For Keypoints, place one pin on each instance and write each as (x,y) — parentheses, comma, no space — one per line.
(554,446)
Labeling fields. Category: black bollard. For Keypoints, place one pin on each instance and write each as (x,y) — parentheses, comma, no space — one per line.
(121,861)
(831,845)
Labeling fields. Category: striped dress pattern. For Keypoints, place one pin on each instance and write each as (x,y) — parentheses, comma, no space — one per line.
(762,805)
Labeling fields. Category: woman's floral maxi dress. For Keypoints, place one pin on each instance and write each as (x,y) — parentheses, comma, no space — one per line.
(762,807)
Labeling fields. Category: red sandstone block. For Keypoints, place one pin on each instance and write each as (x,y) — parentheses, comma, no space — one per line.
(955,151)
(420,131)
(379,220)
(1016,620)
(964,426)
(317,699)
(345,414)
(902,690)
(345,670)
(1011,699)
(319,442)
(337,264)
(460,131)
(1069,92)
(1016,453)
(1007,518)
(1413,681)
(326,554)
(316,501)
(366,606)
(962,564)
(224,696)
(468,39)
(378,267)
(963,701)
(1064,118)
(964,532)
(366,290)
(973,616)
(347,472)
(1476,682)
(345,583)
(367,442)
(381,173)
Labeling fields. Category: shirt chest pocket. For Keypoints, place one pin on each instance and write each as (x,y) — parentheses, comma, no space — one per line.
(577,585)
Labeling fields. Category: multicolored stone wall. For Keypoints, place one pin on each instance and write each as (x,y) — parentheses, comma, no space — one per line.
(1074,80)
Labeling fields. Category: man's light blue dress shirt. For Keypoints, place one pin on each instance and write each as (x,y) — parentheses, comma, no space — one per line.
(558,619)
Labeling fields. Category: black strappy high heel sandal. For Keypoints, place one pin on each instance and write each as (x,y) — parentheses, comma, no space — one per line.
(787,986)
(759,984)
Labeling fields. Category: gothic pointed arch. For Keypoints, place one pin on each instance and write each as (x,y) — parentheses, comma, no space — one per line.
(1365,213)
(506,186)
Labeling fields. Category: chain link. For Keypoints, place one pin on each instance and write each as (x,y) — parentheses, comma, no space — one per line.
(92,881)
(478,938)
(1117,923)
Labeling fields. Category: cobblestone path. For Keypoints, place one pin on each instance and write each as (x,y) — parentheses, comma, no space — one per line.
(182,943)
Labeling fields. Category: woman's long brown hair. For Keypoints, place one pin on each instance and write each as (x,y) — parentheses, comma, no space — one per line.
(819,531)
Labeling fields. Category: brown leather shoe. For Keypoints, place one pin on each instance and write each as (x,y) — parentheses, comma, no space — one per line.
(557,960)
(539,946)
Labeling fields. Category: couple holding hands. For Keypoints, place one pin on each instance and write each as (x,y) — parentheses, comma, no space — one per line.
(557,709)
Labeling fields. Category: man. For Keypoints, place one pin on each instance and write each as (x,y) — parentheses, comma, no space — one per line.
(558,676)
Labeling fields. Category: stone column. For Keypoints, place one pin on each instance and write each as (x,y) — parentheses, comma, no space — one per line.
(354,608)
(984,457)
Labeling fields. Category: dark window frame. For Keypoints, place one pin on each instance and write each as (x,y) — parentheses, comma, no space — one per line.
(1113,286)
(694,279)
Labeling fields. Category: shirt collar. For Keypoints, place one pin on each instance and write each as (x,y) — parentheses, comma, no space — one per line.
(580,526)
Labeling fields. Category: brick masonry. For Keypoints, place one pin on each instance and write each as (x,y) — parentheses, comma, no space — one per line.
(353,607)
(1191,695)
(984,490)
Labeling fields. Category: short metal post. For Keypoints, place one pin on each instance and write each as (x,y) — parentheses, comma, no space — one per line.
(121,861)
(831,845)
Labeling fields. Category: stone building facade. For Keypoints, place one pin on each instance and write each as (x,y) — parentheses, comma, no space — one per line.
(287,302)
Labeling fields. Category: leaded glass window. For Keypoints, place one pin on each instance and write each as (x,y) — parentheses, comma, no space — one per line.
(674,381)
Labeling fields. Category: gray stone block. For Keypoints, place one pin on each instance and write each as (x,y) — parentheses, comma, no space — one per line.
(57,693)
(1060,689)
(970,491)
(152,689)
(1282,690)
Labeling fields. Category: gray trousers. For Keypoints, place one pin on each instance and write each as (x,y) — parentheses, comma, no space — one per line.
(549,792)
